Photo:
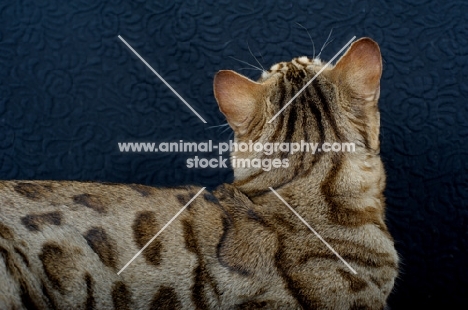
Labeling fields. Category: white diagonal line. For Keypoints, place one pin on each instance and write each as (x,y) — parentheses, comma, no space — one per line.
(161,78)
(308,83)
(313,230)
(159,232)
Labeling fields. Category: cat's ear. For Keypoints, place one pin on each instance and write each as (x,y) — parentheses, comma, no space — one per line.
(358,72)
(237,98)
(360,68)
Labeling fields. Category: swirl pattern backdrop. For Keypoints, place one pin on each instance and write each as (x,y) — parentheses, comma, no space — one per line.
(70,90)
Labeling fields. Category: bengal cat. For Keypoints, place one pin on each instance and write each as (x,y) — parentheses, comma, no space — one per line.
(240,247)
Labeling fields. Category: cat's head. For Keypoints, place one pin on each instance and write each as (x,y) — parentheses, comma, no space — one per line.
(339,106)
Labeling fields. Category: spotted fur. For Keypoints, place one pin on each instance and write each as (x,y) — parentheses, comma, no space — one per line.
(239,247)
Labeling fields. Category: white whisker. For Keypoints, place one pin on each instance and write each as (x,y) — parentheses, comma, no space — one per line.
(261,56)
(246,63)
(217,126)
(248,69)
(255,57)
(226,129)
(313,45)
(326,43)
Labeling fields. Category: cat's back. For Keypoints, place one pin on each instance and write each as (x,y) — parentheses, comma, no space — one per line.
(63,243)
(101,198)
(32,209)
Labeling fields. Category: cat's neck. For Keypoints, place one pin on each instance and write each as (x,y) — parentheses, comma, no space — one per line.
(357,180)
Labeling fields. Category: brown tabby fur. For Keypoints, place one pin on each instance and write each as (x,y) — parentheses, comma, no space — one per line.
(240,247)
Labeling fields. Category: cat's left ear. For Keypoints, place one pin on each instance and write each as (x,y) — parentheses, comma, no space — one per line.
(237,98)
(360,68)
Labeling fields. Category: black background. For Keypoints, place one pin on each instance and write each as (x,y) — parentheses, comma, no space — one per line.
(70,90)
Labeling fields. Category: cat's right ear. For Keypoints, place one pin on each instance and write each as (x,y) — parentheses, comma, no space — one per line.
(361,68)
(237,97)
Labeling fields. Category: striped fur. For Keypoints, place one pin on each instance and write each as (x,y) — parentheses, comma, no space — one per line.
(239,247)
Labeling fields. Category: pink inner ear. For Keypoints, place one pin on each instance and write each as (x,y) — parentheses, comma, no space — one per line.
(236,96)
(361,68)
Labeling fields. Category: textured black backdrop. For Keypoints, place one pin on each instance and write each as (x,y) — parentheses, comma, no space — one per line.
(70,90)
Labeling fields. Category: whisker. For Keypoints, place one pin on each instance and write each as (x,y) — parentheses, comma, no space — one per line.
(248,69)
(261,56)
(254,56)
(326,43)
(313,45)
(226,129)
(217,126)
(244,62)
